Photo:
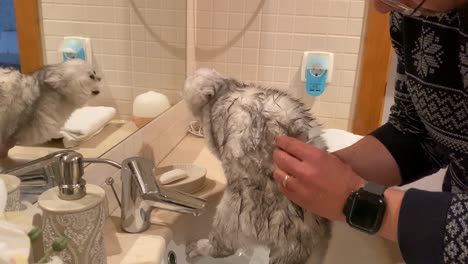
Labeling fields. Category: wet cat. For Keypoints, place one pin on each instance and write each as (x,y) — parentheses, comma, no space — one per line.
(241,122)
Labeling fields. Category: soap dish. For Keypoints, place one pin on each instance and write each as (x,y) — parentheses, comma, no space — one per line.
(191,184)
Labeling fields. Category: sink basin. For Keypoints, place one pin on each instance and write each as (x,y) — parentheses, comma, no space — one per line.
(189,228)
(346,246)
(170,232)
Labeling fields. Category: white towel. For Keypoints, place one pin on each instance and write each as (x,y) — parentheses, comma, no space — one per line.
(337,139)
(85,123)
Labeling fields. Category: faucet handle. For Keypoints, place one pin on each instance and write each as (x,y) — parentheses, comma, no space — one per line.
(143,170)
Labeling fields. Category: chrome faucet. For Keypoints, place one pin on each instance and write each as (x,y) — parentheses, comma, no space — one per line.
(141,193)
(38,175)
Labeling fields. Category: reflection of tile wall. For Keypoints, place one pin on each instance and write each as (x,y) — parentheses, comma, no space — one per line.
(270,50)
(130,57)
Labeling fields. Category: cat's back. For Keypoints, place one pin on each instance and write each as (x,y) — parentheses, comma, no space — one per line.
(271,104)
(17,86)
(9,79)
(246,120)
(18,94)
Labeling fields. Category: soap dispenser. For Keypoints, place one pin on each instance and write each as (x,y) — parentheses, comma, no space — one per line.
(74,211)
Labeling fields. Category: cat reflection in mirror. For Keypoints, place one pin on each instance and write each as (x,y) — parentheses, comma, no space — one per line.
(241,122)
(34,107)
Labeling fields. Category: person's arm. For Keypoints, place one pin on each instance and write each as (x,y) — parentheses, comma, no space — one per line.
(400,151)
(389,228)
(369,150)
(392,155)
(430,227)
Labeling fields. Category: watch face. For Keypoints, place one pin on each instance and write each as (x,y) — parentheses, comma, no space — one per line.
(367,212)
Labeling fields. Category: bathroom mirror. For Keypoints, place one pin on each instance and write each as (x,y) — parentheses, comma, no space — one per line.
(137,46)
(144,45)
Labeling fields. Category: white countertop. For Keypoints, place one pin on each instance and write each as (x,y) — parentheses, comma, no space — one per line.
(111,135)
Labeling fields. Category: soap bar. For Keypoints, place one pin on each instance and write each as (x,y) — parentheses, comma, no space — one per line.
(172,176)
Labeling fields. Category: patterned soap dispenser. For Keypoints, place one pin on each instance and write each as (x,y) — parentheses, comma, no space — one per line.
(74,211)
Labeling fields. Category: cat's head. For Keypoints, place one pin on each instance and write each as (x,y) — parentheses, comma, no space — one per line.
(201,88)
(76,80)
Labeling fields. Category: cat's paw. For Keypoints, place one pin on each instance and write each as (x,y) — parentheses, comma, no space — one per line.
(199,248)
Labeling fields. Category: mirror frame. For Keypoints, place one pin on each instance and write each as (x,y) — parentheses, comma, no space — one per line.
(373,73)
(29,35)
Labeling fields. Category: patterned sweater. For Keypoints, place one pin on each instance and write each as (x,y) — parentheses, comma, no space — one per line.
(428,130)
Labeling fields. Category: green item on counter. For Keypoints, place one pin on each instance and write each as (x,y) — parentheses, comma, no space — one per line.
(58,245)
(35,233)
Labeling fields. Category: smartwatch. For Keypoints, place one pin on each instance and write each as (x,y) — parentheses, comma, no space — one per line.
(365,208)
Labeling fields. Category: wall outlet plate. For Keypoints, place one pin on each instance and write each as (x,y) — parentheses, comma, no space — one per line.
(76,47)
(313,57)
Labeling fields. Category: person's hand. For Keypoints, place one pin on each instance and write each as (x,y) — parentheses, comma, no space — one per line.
(434,5)
(317,181)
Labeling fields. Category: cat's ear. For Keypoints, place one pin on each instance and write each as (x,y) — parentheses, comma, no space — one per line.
(54,80)
(52,77)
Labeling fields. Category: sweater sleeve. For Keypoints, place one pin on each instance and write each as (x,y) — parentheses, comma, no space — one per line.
(433,227)
(406,138)
(405,135)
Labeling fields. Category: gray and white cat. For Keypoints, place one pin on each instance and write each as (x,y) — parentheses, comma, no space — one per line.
(34,107)
(241,122)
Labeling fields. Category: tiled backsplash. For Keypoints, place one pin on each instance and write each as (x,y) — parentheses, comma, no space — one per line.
(133,57)
(262,41)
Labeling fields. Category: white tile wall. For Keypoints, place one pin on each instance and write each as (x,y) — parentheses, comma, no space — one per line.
(269,51)
(264,47)
(131,58)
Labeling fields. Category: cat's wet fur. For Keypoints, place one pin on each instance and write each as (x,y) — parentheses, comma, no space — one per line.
(241,122)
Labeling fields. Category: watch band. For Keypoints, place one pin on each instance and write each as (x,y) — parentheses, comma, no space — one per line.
(374,188)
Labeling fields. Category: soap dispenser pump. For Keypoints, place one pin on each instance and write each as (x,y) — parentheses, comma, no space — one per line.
(75,211)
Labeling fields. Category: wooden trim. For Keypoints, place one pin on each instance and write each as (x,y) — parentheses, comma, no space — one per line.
(29,35)
(374,73)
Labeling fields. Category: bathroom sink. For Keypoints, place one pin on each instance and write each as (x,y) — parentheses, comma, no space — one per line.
(346,246)
(165,241)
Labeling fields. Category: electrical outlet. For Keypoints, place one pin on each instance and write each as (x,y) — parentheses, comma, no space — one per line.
(76,47)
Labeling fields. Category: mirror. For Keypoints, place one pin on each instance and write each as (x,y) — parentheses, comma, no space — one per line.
(136,47)
(141,45)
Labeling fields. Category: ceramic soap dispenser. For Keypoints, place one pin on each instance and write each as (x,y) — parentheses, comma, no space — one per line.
(74,211)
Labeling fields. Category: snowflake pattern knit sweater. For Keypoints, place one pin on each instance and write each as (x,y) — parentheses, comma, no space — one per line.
(428,130)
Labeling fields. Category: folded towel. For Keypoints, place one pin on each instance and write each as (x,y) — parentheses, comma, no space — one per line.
(337,139)
(84,123)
